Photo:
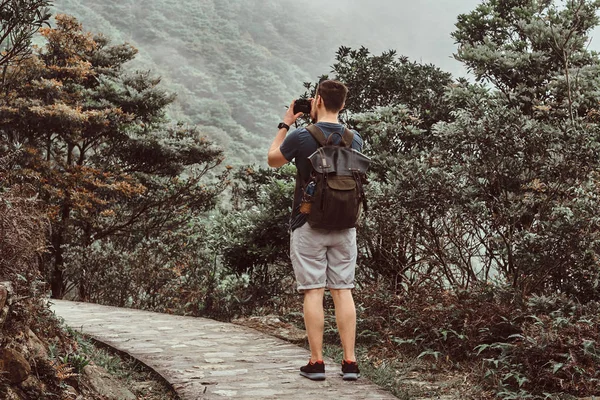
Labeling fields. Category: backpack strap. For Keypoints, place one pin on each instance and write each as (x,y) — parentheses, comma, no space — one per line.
(348,137)
(319,136)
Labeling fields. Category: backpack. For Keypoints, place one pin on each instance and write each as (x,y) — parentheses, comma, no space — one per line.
(335,187)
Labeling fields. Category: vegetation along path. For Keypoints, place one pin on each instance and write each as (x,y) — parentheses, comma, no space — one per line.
(207,359)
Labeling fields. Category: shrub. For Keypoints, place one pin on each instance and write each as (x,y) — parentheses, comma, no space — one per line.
(526,346)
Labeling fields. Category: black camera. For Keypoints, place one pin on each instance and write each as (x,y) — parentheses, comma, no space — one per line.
(302,106)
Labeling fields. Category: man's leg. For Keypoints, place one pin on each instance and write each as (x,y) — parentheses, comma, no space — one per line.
(345,316)
(341,258)
(314,320)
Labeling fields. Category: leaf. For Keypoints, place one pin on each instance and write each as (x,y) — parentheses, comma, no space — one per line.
(481,348)
(63,371)
(538,321)
(556,367)
(521,380)
(436,354)
(401,341)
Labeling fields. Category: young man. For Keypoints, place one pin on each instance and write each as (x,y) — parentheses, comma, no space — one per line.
(321,259)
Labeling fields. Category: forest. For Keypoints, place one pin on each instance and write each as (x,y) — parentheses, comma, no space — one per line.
(232,66)
(480,251)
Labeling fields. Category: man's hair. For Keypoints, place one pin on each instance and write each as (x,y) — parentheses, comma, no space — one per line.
(333,94)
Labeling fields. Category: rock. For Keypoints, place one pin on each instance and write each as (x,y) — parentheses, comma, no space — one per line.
(7,288)
(272,325)
(15,366)
(14,394)
(3,295)
(105,385)
(3,315)
(36,346)
(143,387)
(32,384)
(70,392)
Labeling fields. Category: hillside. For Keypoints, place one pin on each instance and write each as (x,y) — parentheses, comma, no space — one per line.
(233,67)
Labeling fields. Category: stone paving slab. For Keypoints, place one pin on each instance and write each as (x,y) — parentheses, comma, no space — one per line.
(207,359)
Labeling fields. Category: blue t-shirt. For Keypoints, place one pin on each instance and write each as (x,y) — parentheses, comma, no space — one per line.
(299,145)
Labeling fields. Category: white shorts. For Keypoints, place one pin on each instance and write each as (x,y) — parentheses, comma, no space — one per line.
(323,258)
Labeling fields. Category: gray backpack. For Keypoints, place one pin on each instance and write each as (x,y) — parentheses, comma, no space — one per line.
(336,183)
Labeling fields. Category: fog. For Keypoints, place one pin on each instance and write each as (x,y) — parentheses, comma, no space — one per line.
(418,29)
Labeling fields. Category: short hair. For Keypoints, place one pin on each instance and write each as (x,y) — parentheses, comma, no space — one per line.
(333,94)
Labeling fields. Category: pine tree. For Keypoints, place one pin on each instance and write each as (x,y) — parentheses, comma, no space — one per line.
(98,147)
(19,21)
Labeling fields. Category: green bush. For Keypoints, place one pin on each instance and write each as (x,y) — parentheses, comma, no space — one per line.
(525,346)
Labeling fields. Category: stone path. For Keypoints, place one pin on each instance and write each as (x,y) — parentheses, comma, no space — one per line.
(206,359)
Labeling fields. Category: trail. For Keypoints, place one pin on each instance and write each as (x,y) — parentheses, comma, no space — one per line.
(207,359)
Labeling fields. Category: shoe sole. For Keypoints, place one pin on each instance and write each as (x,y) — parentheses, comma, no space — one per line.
(350,376)
(313,376)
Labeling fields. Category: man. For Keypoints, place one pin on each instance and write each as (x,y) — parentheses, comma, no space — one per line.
(321,259)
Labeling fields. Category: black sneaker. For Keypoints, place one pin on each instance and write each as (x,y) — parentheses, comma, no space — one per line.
(350,371)
(314,371)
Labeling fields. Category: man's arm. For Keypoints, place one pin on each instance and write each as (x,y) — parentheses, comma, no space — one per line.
(275,158)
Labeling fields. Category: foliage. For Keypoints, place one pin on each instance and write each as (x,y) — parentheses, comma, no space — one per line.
(481,243)
(64,371)
(23,231)
(22,242)
(253,234)
(526,186)
(529,346)
(502,190)
(528,48)
(77,361)
(168,272)
(390,80)
(98,150)
(19,22)
(402,196)
(556,352)
(524,157)
(234,65)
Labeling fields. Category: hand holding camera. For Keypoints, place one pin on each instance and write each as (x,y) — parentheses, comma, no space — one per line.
(302,106)
(296,110)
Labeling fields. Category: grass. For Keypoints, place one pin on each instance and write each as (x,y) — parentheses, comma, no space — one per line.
(403,376)
(122,367)
(384,375)
(406,377)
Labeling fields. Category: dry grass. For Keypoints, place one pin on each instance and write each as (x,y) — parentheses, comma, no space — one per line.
(23,226)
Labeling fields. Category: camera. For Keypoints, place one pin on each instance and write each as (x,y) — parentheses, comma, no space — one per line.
(302,106)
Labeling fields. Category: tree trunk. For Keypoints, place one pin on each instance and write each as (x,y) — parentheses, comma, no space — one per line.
(56,282)
(82,287)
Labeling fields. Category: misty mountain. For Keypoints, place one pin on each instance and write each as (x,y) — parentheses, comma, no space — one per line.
(236,64)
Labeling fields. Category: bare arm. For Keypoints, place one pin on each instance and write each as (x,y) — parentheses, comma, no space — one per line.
(275,158)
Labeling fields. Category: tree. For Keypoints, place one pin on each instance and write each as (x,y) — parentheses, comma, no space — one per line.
(528,49)
(19,21)
(524,156)
(391,80)
(525,189)
(99,149)
(394,103)
(255,231)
